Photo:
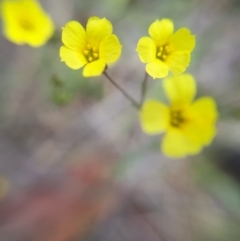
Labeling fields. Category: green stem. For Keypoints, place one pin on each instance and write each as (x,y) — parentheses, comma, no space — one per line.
(134,102)
(144,88)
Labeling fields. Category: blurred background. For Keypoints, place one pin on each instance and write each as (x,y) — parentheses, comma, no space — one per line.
(74,163)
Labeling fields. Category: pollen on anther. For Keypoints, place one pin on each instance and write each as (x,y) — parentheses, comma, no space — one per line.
(164,56)
(85,52)
(159,54)
(95,55)
(174,122)
(90,59)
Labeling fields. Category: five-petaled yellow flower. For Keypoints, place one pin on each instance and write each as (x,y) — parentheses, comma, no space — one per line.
(189,125)
(165,50)
(93,48)
(25,22)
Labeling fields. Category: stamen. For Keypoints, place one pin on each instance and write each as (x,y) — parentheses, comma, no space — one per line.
(162,52)
(91,53)
(85,52)
(26,24)
(177,118)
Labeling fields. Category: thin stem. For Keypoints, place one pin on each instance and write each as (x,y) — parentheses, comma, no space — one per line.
(134,102)
(144,88)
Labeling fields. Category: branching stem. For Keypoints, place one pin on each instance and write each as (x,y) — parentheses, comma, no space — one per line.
(134,102)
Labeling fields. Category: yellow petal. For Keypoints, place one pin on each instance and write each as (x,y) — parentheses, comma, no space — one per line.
(110,49)
(202,118)
(26,22)
(182,40)
(204,108)
(72,58)
(180,89)
(199,133)
(74,36)
(43,31)
(157,69)
(154,117)
(146,49)
(97,29)
(94,68)
(161,31)
(178,61)
(11,28)
(176,145)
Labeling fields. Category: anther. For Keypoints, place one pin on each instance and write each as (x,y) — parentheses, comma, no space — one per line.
(95,55)
(159,54)
(164,56)
(175,122)
(90,59)
(85,52)
(94,49)
(176,118)
(88,46)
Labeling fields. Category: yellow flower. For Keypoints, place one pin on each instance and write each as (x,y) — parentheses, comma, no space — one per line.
(25,22)
(189,125)
(93,48)
(165,50)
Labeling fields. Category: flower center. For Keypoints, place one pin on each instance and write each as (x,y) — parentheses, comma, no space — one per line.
(177,118)
(162,52)
(91,53)
(26,24)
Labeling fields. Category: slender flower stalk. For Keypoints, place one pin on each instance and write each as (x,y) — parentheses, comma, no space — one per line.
(144,88)
(134,102)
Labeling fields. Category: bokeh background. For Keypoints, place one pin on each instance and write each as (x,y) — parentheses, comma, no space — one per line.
(74,163)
